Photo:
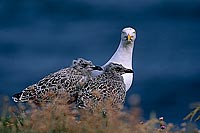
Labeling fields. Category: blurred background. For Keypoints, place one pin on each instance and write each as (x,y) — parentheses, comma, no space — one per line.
(39,37)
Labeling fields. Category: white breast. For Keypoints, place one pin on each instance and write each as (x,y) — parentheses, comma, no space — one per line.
(128,79)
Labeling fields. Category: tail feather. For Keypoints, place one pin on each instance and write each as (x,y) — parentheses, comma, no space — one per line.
(27,94)
(16,97)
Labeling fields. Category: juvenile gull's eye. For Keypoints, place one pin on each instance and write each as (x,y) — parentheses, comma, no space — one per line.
(84,65)
(118,69)
(122,32)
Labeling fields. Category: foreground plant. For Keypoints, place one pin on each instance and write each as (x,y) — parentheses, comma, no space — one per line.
(59,116)
(195,112)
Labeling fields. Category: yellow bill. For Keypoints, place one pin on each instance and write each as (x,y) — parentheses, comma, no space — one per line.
(129,37)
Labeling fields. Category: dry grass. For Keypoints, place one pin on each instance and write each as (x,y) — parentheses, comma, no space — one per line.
(58,116)
(195,112)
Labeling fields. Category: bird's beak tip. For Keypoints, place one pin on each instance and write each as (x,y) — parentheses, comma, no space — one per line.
(129,71)
(97,68)
(129,37)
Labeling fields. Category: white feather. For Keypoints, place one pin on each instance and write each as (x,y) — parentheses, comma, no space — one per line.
(123,55)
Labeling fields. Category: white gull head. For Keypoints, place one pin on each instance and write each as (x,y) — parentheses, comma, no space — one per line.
(124,53)
(128,36)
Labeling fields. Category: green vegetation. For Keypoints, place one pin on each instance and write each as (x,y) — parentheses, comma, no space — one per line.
(58,116)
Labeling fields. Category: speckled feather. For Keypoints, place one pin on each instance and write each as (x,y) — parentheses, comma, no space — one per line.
(66,81)
(107,86)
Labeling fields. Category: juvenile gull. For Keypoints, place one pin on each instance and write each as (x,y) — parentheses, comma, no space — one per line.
(107,86)
(123,54)
(67,80)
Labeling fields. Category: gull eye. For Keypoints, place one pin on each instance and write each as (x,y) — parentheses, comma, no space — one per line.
(118,69)
(80,61)
(84,65)
(74,62)
(90,63)
(123,32)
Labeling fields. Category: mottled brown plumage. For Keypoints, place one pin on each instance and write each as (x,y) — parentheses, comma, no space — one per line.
(107,86)
(65,81)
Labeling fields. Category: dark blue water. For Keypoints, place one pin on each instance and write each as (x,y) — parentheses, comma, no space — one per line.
(40,37)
